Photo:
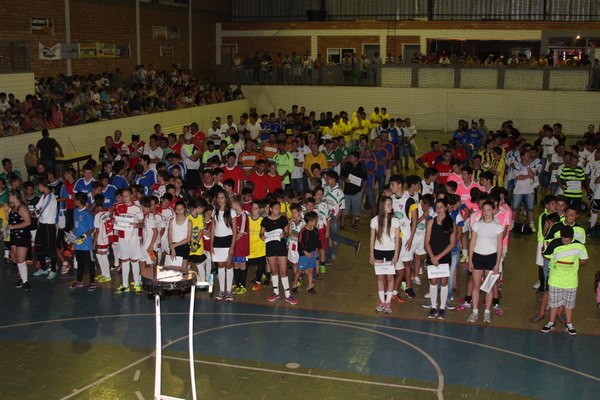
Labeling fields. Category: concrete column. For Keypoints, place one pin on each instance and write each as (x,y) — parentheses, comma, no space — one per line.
(68,34)
(314,47)
(219,42)
(138,37)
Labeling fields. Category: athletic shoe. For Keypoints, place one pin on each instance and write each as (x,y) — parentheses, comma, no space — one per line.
(498,310)
(450,307)
(91,287)
(397,298)
(403,285)
(228,297)
(323,269)
(463,258)
(357,248)
(256,287)
(532,226)
(122,289)
(537,318)
(51,275)
(427,305)
(40,272)
(487,317)
(427,295)
(26,286)
(380,307)
(19,284)
(536,285)
(220,296)
(432,313)
(76,285)
(328,262)
(473,317)
(410,293)
(103,279)
(114,268)
(273,297)
(548,327)
(291,301)
(388,308)
(441,314)
(137,289)
(417,281)
(465,305)
(65,268)
(571,330)
(234,289)
(312,290)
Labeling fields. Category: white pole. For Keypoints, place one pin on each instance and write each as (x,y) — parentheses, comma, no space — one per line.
(68,34)
(137,32)
(158,355)
(190,32)
(191,341)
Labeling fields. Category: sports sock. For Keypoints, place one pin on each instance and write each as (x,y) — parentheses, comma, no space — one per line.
(135,267)
(236,277)
(104,264)
(125,267)
(222,279)
(243,277)
(468,299)
(382,295)
(593,219)
(443,297)
(394,293)
(202,273)
(433,293)
(275,280)
(388,297)
(22,271)
(228,279)
(115,249)
(285,282)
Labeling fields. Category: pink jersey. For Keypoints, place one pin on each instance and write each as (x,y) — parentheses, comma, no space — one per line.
(465,193)
(455,178)
(504,219)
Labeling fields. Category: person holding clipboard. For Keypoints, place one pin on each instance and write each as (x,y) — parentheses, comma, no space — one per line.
(385,251)
(485,255)
(440,237)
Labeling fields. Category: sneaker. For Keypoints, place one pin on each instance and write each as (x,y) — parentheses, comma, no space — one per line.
(76,285)
(220,296)
(26,286)
(427,295)
(487,317)
(473,317)
(410,293)
(291,301)
(273,297)
(388,308)
(103,279)
(441,314)
(40,272)
(256,287)
(357,248)
(122,289)
(380,307)
(464,306)
(51,275)
(463,258)
(403,286)
(450,307)
(537,318)
(532,226)
(114,268)
(427,305)
(397,299)
(234,289)
(19,284)
(228,297)
(328,262)
(571,330)
(432,313)
(536,285)
(417,281)
(137,289)
(91,287)
(323,269)
(65,268)
(498,310)
(312,290)
(548,327)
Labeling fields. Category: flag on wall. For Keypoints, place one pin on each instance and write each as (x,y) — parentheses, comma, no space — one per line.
(49,52)
(106,50)
(88,50)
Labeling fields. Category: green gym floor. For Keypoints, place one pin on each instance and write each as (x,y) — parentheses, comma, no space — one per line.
(58,343)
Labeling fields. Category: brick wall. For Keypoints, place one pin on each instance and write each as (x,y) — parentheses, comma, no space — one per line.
(344,42)
(394,44)
(285,45)
(112,21)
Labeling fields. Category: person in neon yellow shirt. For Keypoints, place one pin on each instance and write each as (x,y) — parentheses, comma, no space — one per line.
(384,114)
(376,117)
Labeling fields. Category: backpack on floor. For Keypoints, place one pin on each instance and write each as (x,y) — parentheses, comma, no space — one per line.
(523,229)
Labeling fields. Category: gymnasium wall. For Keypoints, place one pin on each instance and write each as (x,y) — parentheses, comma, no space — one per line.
(18,84)
(439,109)
(89,138)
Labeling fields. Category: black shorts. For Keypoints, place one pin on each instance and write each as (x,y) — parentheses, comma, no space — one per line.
(487,262)
(45,240)
(183,251)
(222,241)
(383,254)
(192,179)
(276,249)
(195,259)
(22,241)
(256,262)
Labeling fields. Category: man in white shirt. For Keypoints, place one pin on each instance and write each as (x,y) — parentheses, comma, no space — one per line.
(4,106)
(524,191)
(229,124)
(298,172)
(253,126)
(45,238)
(215,133)
(153,150)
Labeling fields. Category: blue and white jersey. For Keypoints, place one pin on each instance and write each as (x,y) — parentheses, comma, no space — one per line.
(119,182)
(81,186)
(110,196)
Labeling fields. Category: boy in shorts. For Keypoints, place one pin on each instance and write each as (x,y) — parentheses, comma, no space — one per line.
(309,242)
(149,233)
(128,218)
(197,253)
(566,255)
(102,231)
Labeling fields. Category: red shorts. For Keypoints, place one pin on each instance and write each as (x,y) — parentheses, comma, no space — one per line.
(322,232)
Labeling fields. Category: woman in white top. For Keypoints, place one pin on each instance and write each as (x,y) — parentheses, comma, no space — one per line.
(485,254)
(180,235)
(223,235)
(385,248)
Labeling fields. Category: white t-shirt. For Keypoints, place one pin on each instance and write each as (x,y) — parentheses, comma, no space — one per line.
(222,230)
(156,153)
(523,186)
(388,240)
(151,221)
(102,221)
(548,144)
(298,172)
(487,237)
(427,188)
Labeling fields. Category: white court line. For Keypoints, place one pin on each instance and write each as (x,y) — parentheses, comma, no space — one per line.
(139,395)
(136,376)
(307,375)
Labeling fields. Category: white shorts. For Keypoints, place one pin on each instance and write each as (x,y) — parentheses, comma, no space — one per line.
(539,258)
(145,257)
(130,248)
(466,226)
(419,245)
(407,255)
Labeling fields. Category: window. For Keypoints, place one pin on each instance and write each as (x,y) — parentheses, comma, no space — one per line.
(336,55)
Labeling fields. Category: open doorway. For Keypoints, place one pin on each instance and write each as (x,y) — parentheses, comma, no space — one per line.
(369,50)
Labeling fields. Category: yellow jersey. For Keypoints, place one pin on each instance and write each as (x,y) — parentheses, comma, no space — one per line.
(197,243)
(258,247)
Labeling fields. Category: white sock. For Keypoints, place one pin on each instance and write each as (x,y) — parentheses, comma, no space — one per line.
(202,275)
(104,264)
(433,293)
(22,271)
(443,297)
(593,219)
(115,248)
(135,266)
(6,253)
(388,297)
(394,292)
(75,265)
(125,266)
(229,279)
(275,280)
(476,310)
(285,282)
(381,294)
(222,279)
